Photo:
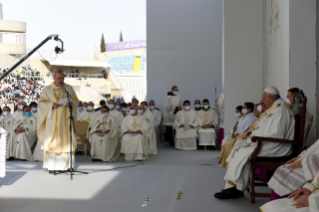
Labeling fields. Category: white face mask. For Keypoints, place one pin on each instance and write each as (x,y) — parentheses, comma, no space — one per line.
(197,106)
(105,114)
(118,107)
(175,93)
(237,115)
(90,107)
(128,109)
(132,111)
(34,109)
(145,106)
(244,111)
(152,107)
(123,109)
(206,107)
(20,107)
(140,112)
(6,113)
(187,107)
(259,108)
(111,106)
(85,108)
(80,108)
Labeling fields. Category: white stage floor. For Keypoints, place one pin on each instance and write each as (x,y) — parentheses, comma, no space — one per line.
(29,188)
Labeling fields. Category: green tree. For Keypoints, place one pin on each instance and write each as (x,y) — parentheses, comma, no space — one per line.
(121,37)
(103,44)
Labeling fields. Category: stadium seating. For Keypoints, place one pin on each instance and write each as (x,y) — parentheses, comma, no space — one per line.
(125,63)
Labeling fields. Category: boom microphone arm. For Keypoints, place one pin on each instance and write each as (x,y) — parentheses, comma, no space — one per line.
(57,51)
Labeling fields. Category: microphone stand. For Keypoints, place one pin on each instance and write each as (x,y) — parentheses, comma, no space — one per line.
(71,169)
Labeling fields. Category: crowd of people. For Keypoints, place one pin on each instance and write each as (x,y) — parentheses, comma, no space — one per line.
(130,131)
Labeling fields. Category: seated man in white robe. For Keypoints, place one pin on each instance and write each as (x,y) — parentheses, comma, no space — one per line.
(234,130)
(118,116)
(102,103)
(80,110)
(89,115)
(124,109)
(157,119)
(276,122)
(19,112)
(85,106)
(209,121)
(34,109)
(134,130)
(7,121)
(198,106)
(151,138)
(305,199)
(185,125)
(22,136)
(104,141)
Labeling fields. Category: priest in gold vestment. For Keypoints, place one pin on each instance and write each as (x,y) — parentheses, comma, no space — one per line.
(53,124)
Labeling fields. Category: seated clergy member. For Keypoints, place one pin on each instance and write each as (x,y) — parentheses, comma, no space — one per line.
(198,106)
(6,120)
(173,101)
(105,144)
(234,130)
(157,118)
(22,136)
(124,109)
(118,116)
(89,115)
(185,124)
(209,122)
(19,112)
(80,110)
(305,199)
(85,106)
(34,109)
(134,130)
(102,103)
(151,137)
(277,122)
(249,119)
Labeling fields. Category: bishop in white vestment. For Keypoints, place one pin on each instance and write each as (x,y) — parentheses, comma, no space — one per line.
(105,143)
(185,124)
(277,122)
(22,136)
(134,130)
(209,122)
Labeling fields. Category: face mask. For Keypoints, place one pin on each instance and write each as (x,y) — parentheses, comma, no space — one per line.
(123,109)
(20,107)
(140,112)
(259,108)
(6,113)
(145,106)
(111,106)
(118,107)
(197,106)
(152,107)
(206,107)
(80,108)
(34,109)
(105,114)
(244,111)
(28,114)
(237,115)
(187,107)
(175,93)
(90,107)
(128,108)
(85,108)
(132,111)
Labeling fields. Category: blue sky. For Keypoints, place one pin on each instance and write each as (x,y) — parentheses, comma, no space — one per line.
(79,22)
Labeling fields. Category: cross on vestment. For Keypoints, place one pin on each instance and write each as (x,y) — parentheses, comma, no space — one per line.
(186,118)
(89,119)
(101,141)
(134,125)
(205,121)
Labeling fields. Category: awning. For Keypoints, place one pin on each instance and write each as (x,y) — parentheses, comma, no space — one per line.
(79,63)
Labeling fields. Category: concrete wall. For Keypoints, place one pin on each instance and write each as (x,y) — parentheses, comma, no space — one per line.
(242,55)
(184,48)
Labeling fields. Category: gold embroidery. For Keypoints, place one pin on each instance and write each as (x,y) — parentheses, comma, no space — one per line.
(270,115)
(134,125)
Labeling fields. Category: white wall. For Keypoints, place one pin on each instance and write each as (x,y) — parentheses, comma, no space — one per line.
(184,48)
(242,55)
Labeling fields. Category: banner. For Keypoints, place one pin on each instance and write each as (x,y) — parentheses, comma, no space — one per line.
(125,45)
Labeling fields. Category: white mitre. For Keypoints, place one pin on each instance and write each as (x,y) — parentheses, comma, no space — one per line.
(272,90)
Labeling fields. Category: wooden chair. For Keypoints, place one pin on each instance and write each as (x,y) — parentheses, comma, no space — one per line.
(272,163)
(82,132)
(308,128)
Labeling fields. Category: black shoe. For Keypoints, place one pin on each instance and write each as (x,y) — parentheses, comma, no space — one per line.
(231,193)
(52,172)
(94,159)
(8,159)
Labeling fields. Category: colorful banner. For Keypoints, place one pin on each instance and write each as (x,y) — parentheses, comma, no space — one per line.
(125,45)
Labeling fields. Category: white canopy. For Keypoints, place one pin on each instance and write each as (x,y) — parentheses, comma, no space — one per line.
(79,63)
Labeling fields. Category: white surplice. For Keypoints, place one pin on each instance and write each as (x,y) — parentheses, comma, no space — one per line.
(286,205)
(105,147)
(17,114)
(185,137)
(118,116)
(79,113)
(19,145)
(171,103)
(249,119)
(279,122)
(207,136)
(134,146)
(6,123)
(233,130)
(157,123)
(89,116)
(151,138)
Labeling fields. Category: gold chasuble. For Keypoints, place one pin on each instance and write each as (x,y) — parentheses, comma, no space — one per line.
(54,124)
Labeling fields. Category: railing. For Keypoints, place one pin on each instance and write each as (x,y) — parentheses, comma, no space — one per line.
(84,76)
(88,93)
